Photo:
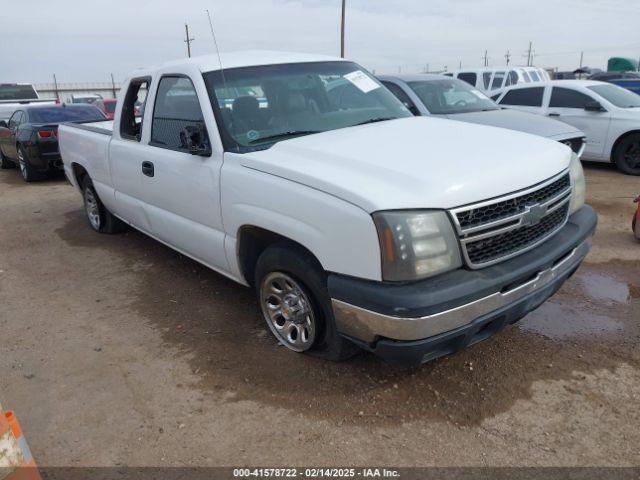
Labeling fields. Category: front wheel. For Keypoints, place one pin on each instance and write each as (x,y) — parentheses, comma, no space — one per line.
(292,290)
(100,219)
(627,154)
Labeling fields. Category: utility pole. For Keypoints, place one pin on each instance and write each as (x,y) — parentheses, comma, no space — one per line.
(460,67)
(188,40)
(507,56)
(113,86)
(486,59)
(581,58)
(342,21)
(529,55)
(55,87)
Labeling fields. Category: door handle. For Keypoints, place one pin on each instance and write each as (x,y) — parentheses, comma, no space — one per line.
(147,169)
(554,114)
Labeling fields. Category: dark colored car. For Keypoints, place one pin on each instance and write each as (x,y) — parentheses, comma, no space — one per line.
(108,106)
(30,138)
(609,76)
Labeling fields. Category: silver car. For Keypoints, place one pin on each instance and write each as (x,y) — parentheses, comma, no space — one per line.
(442,96)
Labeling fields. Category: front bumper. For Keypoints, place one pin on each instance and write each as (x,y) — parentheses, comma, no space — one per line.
(413,323)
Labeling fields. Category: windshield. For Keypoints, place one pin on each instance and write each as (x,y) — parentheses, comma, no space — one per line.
(258,106)
(65,114)
(17,92)
(448,96)
(618,96)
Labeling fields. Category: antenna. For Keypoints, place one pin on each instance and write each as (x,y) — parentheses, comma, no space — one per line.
(215,42)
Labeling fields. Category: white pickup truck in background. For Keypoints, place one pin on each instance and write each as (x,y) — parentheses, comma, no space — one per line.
(357,224)
(13,95)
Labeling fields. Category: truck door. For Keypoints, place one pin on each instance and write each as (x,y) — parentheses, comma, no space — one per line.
(181,176)
(125,156)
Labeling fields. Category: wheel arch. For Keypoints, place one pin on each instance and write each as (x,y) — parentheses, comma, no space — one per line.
(617,143)
(252,241)
(79,172)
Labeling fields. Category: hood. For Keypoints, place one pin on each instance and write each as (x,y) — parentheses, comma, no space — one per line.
(416,162)
(522,122)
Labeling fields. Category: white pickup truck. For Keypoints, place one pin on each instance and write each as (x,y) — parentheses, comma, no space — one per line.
(358,224)
(16,95)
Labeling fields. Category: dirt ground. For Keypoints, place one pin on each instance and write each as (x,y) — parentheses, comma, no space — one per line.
(119,351)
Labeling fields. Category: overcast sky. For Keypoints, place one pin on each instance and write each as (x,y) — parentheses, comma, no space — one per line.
(86,40)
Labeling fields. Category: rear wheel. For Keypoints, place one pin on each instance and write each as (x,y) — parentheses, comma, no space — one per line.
(5,162)
(26,170)
(100,219)
(292,290)
(627,154)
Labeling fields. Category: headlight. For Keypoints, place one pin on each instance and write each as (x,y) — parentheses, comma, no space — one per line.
(416,244)
(577,182)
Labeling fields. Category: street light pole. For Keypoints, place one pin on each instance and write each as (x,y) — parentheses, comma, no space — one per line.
(344,7)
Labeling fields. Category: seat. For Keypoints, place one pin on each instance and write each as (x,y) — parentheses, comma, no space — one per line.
(246,115)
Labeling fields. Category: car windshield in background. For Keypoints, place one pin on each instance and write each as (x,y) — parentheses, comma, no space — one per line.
(262,105)
(448,96)
(17,92)
(619,96)
(65,114)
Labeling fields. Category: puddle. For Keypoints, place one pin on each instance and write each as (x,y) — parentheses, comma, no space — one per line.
(561,322)
(600,286)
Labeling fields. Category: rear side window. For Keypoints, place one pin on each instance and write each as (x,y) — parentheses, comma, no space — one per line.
(567,98)
(176,108)
(526,97)
(512,78)
(133,109)
(497,80)
(486,80)
(469,77)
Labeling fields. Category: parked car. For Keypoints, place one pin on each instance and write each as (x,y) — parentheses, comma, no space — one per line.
(357,224)
(86,99)
(488,79)
(635,224)
(627,80)
(607,114)
(14,95)
(454,99)
(107,106)
(30,138)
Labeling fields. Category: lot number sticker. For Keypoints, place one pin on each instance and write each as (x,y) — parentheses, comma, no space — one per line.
(362,81)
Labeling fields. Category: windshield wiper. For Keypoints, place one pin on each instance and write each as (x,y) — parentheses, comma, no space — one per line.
(291,133)
(375,120)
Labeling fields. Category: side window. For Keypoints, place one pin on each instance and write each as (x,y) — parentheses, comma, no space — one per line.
(567,98)
(16,119)
(512,78)
(486,80)
(526,76)
(497,80)
(469,77)
(133,109)
(401,95)
(526,97)
(534,76)
(177,114)
(495,97)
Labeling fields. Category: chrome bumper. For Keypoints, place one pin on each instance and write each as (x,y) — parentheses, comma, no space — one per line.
(367,326)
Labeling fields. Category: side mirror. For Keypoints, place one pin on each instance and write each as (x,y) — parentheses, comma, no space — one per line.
(594,107)
(195,140)
(3,124)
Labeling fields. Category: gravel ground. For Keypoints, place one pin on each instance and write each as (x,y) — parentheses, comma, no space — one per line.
(119,351)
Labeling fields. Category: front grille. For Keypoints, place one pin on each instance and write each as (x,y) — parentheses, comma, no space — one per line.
(507,208)
(493,231)
(505,244)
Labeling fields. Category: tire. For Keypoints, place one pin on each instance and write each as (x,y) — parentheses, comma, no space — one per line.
(5,163)
(100,219)
(627,154)
(302,304)
(26,170)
